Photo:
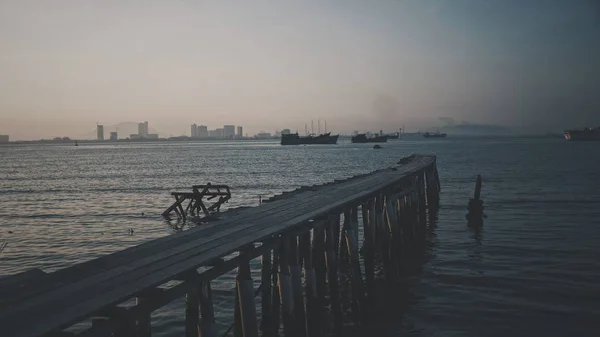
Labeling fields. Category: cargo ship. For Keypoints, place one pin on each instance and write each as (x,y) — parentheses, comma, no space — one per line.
(584,134)
(295,139)
(434,135)
(362,138)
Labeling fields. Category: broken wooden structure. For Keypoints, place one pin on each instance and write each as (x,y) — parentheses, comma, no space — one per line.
(308,240)
(196,201)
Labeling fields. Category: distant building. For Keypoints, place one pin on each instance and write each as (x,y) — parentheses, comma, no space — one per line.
(285,132)
(134,136)
(194,131)
(239,132)
(220,132)
(152,136)
(100,132)
(263,135)
(4,139)
(229,131)
(213,133)
(143,130)
(113,136)
(277,133)
(202,131)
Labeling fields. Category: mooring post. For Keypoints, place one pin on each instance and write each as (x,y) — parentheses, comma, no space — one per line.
(192,309)
(368,251)
(245,288)
(286,290)
(332,273)
(296,273)
(266,324)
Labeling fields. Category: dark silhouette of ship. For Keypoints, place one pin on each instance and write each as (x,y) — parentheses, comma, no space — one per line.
(295,139)
(582,135)
(362,138)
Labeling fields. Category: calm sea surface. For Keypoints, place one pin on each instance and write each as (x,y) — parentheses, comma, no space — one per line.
(534,270)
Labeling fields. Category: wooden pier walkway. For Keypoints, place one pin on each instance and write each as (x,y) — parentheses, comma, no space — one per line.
(300,236)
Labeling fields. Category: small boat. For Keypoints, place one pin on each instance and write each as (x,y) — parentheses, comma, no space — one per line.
(362,138)
(377,146)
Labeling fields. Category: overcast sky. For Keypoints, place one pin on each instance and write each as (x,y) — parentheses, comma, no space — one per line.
(67,64)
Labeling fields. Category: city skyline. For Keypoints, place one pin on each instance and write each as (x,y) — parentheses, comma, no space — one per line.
(529,65)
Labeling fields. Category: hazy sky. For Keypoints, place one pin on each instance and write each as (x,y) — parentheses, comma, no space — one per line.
(67,64)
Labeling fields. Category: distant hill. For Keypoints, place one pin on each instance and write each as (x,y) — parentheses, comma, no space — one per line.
(477,129)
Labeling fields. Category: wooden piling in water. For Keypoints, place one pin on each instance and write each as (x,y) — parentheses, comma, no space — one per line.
(266,323)
(320,267)
(368,250)
(192,310)
(207,311)
(296,276)
(245,289)
(286,291)
(351,237)
(332,273)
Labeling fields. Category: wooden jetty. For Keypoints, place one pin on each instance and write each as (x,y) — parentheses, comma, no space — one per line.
(307,239)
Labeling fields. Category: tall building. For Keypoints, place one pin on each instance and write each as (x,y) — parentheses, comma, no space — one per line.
(113,136)
(100,132)
(285,132)
(240,135)
(4,139)
(202,131)
(228,131)
(194,131)
(220,132)
(143,130)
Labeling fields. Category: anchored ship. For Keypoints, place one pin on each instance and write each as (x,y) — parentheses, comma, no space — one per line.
(295,139)
(434,135)
(585,134)
(362,138)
